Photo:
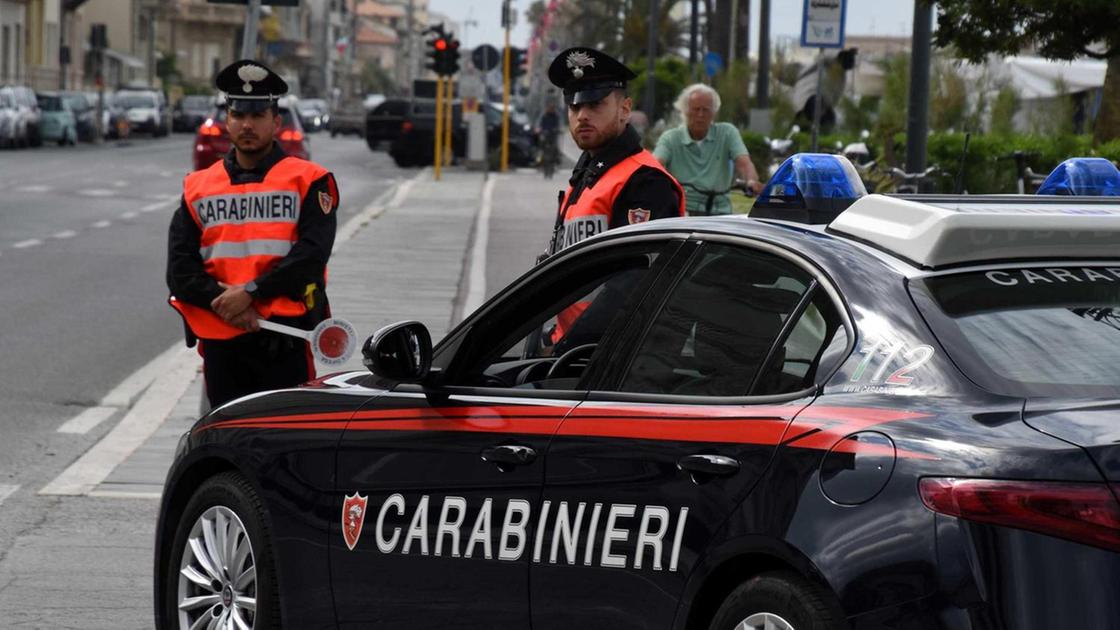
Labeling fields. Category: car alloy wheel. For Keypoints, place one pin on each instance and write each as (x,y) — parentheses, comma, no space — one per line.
(764,621)
(218,573)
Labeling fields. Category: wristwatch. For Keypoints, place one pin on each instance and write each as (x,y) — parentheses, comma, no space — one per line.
(251,288)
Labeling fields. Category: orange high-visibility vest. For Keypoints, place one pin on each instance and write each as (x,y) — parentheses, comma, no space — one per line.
(591,213)
(246,228)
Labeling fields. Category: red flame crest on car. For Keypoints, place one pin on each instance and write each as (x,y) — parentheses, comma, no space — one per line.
(353,516)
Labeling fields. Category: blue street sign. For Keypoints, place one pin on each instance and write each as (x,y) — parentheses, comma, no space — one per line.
(713,63)
(822,23)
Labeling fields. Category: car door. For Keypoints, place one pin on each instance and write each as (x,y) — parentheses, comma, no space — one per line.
(648,467)
(439,483)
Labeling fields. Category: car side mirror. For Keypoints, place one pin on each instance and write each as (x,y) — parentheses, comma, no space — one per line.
(401,352)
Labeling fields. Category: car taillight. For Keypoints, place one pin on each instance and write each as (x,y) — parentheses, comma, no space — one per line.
(208,128)
(1083,512)
(406,127)
(290,135)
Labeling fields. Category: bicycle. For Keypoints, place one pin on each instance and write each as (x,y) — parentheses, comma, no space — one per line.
(913,183)
(549,155)
(712,195)
(1025,174)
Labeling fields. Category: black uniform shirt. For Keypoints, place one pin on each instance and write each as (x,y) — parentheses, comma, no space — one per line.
(304,264)
(648,188)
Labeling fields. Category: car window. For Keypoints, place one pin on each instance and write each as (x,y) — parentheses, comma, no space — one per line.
(811,348)
(77,102)
(130,101)
(50,103)
(1042,331)
(718,324)
(548,336)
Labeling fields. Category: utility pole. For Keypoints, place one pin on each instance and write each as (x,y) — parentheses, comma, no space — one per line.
(917,110)
(409,64)
(762,89)
(694,35)
(507,24)
(152,44)
(249,35)
(651,56)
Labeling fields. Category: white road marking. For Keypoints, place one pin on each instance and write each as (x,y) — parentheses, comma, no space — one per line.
(120,183)
(86,420)
(476,277)
(6,490)
(99,192)
(128,390)
(102,224)
(31,242)
(141,421)
(33,188)
(396,194)
(64,234)
(118,494)
(152,207)
(129,215)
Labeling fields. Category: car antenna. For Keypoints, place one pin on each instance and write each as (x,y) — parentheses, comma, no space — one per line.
(960,171)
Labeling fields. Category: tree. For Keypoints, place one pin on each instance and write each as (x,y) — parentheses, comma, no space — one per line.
(1059,30)
(635,29)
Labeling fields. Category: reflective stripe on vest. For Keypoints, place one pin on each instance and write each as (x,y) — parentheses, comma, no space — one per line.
(591,213)
(245,230)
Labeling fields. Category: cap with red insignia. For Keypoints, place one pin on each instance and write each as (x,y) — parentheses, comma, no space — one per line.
(587,75)
(250,86)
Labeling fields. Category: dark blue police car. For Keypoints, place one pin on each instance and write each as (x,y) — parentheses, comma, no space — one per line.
(894,412)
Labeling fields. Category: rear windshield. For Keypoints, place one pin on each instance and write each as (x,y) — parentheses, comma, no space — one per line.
(197,102)
(50,103)
(130,101)
(1031,331)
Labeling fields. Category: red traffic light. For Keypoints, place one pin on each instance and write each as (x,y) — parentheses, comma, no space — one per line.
(440,44)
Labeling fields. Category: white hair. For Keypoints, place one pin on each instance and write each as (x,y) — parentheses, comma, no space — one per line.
(681,104)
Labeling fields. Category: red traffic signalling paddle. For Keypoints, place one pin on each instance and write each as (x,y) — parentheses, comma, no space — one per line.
(332,341)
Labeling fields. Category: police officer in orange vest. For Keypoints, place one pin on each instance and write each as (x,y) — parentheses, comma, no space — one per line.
(250,240)
(615,182)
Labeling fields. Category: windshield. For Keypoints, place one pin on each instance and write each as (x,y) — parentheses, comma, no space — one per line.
(130,101)
(6,100)
(196,102)
(50,103)
(77,102)
(1032,331)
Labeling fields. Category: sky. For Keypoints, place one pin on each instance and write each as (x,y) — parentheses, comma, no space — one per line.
(864,17)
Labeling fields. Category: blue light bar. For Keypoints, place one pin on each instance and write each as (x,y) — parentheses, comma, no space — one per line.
(1083,176)
(810,188)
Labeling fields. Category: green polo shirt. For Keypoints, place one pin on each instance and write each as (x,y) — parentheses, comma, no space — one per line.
(708,164)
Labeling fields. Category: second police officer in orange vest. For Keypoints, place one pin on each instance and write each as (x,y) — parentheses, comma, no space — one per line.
(250,240)
(615,181)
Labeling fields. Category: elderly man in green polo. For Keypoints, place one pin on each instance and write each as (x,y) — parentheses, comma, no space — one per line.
(701,153)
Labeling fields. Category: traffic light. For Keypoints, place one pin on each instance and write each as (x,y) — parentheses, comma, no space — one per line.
(518,62)
(451,57)
(437,54)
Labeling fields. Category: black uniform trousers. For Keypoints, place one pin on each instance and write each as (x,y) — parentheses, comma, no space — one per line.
(254,362)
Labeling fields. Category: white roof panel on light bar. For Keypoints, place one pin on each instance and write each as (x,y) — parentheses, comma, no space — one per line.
(935,231)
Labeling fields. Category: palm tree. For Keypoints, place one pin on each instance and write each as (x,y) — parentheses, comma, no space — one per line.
(635,30)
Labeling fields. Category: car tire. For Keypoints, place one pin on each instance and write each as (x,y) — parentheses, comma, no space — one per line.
(225,507)
(782,600)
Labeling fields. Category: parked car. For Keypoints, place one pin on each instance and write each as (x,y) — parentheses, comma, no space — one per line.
(58,123)
(347,117)
(314,114)
(114,118)
(191,111)
(85,115)
(146,110)
(414,144)
(28,117)
(383,122)
(211,142)
(898,415)
(10,132)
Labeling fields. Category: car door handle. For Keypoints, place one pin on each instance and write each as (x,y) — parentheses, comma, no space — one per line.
(708,464)
(507,456)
